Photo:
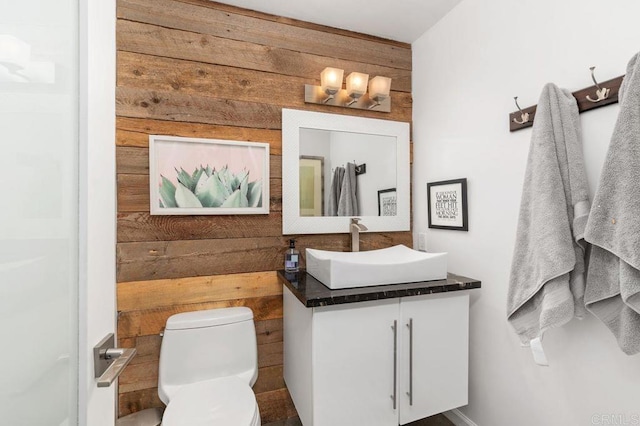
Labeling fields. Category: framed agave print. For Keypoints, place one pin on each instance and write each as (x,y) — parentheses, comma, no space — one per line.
(189,176)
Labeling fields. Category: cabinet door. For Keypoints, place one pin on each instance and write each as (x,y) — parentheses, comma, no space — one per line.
(434,360)
(353,364)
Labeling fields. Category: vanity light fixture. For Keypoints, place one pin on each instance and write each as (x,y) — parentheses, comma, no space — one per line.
(356,86)
(330,91)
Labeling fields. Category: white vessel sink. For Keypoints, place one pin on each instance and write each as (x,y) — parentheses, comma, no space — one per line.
(393,265)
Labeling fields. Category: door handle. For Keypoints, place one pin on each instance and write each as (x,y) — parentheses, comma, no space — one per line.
(394,397)
(109,362)
(410,393)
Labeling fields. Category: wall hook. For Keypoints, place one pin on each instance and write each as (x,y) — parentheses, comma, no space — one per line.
(601,92)
(360,169)
(524,116)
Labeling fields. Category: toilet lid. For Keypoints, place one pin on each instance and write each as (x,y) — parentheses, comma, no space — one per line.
(224,401)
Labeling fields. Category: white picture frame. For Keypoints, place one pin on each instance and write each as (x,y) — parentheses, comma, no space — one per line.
(295,120)
(194,176)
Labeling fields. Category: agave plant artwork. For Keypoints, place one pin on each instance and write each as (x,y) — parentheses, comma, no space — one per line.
(207,187)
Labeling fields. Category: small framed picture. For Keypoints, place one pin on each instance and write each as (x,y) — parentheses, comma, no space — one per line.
(311,186)
(189,176)
(387,202)
(447,202)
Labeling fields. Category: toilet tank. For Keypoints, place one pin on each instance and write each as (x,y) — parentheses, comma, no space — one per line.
(205,345)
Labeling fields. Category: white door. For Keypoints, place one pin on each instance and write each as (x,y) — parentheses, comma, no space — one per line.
(97,19)
(435,354)
(57,214)
(353,346)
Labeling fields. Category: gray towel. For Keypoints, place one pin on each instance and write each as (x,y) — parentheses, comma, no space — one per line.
(546,287)
(613,281)
(336,187)
(348,203)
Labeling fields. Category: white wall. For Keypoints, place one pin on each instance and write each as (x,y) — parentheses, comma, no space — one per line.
(378,152)
(339,148)
(467,69)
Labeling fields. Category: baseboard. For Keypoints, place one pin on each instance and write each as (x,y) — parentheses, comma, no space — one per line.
(457,418)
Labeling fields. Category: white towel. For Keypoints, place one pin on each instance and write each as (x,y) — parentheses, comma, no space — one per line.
(546,286)
(613,281)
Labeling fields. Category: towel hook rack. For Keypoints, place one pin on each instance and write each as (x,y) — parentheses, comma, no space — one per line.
(524,116)
(601,92)
(607,94)
(360,169)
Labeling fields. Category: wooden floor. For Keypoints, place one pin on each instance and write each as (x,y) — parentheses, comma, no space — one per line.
(437,420)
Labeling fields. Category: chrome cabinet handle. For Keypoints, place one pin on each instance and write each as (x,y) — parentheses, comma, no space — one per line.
(410,393)
(395,363)
(109,362)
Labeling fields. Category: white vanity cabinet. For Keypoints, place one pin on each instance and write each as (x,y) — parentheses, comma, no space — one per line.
(376,363)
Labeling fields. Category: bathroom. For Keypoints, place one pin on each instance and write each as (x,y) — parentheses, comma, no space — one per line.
(454,81)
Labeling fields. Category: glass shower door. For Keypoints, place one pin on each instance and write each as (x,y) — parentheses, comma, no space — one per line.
(38,212)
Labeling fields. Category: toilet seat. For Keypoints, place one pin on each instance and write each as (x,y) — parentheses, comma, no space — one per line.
(224,401)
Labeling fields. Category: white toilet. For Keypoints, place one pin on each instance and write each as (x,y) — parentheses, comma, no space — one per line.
(208,363)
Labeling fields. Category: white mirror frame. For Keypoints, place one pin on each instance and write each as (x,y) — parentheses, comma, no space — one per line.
(292,122)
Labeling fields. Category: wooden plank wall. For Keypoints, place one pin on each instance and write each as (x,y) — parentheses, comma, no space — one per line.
(203,69)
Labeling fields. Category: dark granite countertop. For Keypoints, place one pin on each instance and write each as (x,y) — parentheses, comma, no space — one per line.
(312,292)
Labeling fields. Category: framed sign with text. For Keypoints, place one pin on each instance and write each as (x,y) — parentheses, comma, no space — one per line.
(447,203)
(387,202)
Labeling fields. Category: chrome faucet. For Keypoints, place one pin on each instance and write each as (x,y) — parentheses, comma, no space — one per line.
(355,228)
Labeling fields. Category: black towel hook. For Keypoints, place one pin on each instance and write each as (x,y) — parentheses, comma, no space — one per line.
(360,169)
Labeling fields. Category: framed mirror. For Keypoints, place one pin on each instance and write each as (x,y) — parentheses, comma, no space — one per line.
(335,167)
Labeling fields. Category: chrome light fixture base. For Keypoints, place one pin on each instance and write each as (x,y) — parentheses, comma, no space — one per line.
(315,95)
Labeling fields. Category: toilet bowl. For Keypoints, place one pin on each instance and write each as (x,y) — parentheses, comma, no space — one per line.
(208,363)
(225,401)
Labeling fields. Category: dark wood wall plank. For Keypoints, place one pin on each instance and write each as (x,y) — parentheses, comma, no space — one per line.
(269,379)
(132,161)
(141,226)
(131,402)
(178,106)
(133,193)
(152,321)
(175,259)
(152,294)
(134,132)
(275,405)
